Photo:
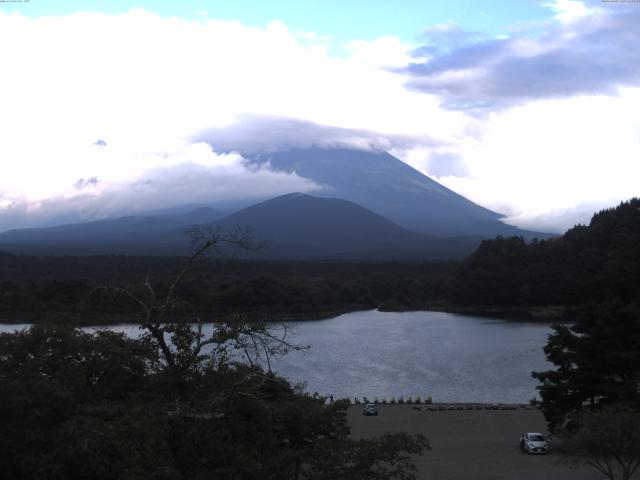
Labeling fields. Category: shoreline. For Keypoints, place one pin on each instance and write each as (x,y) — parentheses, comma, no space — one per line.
(96,320)
(543,314)
(531,313)
(452,406)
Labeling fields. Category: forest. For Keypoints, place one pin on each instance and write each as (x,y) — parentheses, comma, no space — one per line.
(37,288)
(589,263)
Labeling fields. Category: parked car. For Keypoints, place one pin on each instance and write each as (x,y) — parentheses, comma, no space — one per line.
(370,409)
(533,442)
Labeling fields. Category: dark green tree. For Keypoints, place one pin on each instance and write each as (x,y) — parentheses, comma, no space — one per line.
(592,263)
(597,363)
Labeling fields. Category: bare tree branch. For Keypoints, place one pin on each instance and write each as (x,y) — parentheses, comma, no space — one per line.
(187,344)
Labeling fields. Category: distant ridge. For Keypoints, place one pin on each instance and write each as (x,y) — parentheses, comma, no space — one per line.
(140,235)
(295,226)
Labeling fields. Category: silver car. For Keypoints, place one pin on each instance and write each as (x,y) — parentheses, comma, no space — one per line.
(532,442)
(370,410)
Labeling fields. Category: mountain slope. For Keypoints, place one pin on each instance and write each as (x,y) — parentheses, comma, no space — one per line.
(303,226)
(294,226)
(382,183)
(158,235)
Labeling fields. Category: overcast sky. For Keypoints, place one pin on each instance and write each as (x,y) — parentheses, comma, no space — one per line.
(530,108)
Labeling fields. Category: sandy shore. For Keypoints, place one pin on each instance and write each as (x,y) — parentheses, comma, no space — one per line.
(470,444)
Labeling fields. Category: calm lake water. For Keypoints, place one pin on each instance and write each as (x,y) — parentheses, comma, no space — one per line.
(452,358)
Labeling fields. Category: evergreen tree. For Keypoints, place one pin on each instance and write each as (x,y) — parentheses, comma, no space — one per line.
(597,363)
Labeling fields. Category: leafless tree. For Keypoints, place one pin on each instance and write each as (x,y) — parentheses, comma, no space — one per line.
(607,440)
(182,341)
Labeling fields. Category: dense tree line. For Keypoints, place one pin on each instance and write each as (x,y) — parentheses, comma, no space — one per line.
(36,288)
(591,263)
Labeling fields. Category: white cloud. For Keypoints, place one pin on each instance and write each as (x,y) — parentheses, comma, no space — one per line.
(259,134)
(194,174)
(123,98)
(539,162)
(568,11)
(144,84)
(585,53)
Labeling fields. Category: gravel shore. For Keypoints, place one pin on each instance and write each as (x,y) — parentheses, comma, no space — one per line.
(470,444)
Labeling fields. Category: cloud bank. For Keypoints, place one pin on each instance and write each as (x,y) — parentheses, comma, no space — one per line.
(122,97)
(555,137)
(196,175)
(107,114)
(253,134)
(587,51)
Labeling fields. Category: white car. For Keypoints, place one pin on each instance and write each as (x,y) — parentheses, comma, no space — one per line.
(532,442)
(370,409)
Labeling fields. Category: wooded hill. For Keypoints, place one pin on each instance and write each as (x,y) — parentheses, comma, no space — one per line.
(589,263)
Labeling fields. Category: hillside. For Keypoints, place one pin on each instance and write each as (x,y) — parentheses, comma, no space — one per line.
(382,183)
(587,264)
(294,226)
(161,234)
(304,226)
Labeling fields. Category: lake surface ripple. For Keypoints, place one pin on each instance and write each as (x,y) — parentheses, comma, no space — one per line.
(452,358)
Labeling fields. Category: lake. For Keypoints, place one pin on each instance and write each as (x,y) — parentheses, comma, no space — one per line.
(452,358)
